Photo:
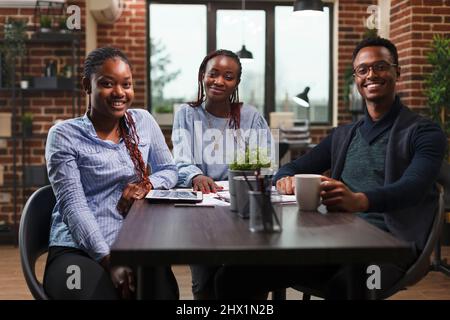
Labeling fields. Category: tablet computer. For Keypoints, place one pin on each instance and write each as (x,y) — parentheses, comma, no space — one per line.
(175,196)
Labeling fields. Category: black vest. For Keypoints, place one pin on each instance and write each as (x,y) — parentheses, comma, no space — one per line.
(411,224)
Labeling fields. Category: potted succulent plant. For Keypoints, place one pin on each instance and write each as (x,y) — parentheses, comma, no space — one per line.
(245,165)
(62,25)
(45,23)
(251,160)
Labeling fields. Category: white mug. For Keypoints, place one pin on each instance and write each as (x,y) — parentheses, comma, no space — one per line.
(307,191)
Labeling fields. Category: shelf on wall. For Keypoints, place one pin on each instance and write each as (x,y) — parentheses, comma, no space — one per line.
(19,136)
(7,237)
(34,136)
(39,89)
(31,177)
(52,37)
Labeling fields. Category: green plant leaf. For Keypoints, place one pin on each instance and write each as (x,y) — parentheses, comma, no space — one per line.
(437,83)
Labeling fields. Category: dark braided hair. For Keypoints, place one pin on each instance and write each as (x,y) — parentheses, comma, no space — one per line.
(127,127)
(235,105)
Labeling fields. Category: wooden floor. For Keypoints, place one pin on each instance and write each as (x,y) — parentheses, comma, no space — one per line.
(435,286)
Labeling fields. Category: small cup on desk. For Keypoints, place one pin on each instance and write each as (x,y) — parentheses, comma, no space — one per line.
(307,191)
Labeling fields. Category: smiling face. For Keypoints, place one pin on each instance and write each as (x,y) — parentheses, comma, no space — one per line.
(220,78)
(378,86)
(112,89)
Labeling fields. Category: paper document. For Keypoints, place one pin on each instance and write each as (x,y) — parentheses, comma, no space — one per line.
(223,184)
(276,198)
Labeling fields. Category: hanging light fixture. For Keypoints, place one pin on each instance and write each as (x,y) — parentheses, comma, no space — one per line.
(244,53)
(308,7)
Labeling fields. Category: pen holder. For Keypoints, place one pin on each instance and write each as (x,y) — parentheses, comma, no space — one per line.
(263,217)
(242,186)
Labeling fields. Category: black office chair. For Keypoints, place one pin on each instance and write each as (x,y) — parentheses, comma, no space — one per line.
(34,235)
(414,274)
(420,268)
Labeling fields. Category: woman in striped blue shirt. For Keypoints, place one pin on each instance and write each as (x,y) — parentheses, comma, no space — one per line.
(98,165)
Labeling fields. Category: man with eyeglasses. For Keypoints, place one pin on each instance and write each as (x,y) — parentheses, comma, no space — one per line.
(383,168)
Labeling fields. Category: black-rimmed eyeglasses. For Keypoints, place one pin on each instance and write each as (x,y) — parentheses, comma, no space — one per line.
(378,67)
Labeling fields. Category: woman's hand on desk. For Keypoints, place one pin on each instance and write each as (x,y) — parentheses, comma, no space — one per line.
(204,184)
(133,191)
(286,185)
(338,197)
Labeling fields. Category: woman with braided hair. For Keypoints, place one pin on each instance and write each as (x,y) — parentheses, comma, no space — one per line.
(220,117)
(208,133)
(98,166)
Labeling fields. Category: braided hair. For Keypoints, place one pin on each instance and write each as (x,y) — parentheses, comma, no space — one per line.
(235,105)
(127,127)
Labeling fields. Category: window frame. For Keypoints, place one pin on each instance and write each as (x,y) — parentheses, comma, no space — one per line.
(269,78)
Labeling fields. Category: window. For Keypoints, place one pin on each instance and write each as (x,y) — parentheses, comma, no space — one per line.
(235,28)
(289,53)
(302,59)
(178,45)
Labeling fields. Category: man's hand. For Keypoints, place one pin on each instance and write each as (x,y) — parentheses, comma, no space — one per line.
(338,197)
(133,191)
(286,185)
(205,184)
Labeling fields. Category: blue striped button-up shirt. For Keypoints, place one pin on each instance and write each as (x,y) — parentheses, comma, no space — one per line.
(88,176)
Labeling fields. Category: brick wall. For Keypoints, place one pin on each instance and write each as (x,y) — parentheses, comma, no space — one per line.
(413,24)
(351,18)
(46,107)
(351,27)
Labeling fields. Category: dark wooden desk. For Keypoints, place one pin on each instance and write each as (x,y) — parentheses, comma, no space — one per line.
(160,234)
